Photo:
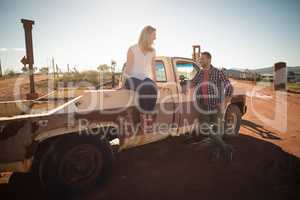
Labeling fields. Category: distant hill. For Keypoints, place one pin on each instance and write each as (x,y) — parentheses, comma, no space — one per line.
(266,70)
(233,72)
(269,70)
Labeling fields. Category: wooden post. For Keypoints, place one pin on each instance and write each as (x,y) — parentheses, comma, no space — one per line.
(27,24)
(196,53)
(113,67)
(280,76)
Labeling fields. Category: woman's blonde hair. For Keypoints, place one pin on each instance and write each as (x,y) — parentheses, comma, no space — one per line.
(144,40)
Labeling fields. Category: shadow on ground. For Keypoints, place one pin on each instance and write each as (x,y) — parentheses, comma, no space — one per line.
(259,130)
(171,169)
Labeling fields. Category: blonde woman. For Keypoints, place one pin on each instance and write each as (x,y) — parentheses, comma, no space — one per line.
(140,73)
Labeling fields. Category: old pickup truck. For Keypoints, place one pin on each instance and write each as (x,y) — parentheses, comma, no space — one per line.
(66,138)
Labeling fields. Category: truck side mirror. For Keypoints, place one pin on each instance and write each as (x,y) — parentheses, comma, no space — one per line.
(182,80)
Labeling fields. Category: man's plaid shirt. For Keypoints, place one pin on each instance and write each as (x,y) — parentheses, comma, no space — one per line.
(219,87)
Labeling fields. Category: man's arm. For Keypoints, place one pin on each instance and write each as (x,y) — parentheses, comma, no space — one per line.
(196,79)
(228,88)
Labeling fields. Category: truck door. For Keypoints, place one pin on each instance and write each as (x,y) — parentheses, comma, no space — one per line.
(186,70)
(165,105)
(166,100)
(165,108)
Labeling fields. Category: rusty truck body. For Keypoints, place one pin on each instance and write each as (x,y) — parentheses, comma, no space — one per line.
(65,138)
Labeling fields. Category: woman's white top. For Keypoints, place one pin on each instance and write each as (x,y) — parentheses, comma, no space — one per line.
(142,63)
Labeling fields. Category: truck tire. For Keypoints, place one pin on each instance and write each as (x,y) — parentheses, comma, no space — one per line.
(74,163)
(233,119)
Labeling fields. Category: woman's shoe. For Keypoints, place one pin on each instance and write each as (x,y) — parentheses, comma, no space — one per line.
(146,123)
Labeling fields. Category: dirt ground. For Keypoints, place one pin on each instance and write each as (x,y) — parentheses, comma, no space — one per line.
(16,88)
(265,165)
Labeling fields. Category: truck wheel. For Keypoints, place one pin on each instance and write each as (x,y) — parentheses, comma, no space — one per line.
(74,164)
(233,120)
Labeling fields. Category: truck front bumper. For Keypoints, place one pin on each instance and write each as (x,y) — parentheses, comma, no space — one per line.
(20,166)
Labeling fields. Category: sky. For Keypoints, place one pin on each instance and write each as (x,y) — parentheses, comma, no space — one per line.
(239,34)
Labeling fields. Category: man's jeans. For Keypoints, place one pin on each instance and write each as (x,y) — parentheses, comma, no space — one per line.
(211,122)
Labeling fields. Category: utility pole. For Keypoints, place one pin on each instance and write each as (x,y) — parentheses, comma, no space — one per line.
(27,24)
(53,68)
(113,68)
(0,68)
(57,70)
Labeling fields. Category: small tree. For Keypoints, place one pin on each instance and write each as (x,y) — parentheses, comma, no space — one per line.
(24,69)
(44,70)
(103,68)
(10,72)
(75,70)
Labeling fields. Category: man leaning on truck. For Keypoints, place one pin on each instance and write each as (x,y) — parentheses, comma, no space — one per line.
(213,92)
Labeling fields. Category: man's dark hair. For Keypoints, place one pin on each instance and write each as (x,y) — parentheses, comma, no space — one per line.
(207,54)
